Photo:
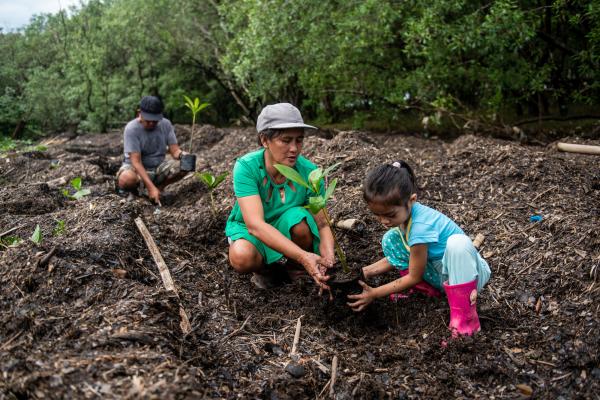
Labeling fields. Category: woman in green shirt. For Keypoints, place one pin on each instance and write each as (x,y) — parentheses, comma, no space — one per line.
(268,220)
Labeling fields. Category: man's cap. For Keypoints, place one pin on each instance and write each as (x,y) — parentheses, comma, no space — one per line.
(151,108)
(280,116)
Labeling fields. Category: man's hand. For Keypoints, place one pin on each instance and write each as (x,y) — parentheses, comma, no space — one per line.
(363,299)
(154,194)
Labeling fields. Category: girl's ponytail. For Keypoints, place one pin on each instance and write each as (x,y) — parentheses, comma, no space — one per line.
(403,164)
(390,183)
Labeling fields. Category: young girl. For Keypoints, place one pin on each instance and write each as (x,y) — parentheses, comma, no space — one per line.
(424,242)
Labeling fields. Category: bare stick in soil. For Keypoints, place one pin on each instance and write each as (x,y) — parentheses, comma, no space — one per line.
(296,337)
(46,259)
(478,240)
(334,366)
(578,148)
(238,330)
(351,224)
(11,230)
(164,272)
(57,182)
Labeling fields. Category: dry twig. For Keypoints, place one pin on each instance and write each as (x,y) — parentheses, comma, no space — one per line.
(164,273)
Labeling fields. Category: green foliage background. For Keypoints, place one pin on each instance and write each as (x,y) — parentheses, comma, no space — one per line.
(86,68)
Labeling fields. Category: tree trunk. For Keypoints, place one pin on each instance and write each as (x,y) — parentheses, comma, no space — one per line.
(19,128)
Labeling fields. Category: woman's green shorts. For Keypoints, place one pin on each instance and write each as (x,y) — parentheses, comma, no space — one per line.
(283,224)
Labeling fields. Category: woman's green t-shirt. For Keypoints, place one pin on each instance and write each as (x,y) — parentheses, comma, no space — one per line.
(250,178)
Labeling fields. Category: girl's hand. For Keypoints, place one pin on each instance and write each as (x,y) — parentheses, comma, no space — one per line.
(366,272)
(363,299)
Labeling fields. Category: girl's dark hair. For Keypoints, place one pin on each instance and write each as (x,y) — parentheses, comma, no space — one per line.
(392,184)
(268,134)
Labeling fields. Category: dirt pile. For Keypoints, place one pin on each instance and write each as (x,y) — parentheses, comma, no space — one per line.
(95,321)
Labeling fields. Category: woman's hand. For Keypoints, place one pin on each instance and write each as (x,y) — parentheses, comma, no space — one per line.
(312,263)
(363,299)
(327,261)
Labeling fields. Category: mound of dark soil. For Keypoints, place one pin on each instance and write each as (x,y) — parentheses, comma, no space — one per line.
(95,321)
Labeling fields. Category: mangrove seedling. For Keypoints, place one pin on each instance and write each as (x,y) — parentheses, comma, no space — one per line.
(195,107)
(10,241)
(317,202)
(79,192)
(36,237)
(211,183)
(59,229)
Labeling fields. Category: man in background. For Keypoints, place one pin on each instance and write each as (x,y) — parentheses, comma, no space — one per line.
(146,141)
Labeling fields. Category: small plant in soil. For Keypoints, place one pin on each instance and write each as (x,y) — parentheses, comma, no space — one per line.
(211,183)
(195,107)
(36,237)
(317,202)
(79,192)
(60,228)
(10,241)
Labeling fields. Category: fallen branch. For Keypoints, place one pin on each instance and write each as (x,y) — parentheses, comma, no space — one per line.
(296,337)
(578,148)
(334,367)
(57,182)
(11,230)
(352,224)
(478,241)
(322,367)
(46,259)
(164,272)
(238,330)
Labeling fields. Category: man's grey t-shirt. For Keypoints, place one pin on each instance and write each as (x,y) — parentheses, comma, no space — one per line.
(151,144)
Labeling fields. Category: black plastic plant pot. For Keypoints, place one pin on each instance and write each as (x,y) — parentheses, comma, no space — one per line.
(346,282)
(187,163)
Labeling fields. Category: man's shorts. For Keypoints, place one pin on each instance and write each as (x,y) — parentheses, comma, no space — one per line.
(158,175)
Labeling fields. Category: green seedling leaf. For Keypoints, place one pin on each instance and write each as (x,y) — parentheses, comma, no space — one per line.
(189,103)
(10,241)
(81,193)
(76,183)
(59,229)
(207,178)
(210,180)
(315,175)
(315,179)
(291,174)
(316,204)
(37,235)
(220,178)
(330,169)
(195,107)
(330,189)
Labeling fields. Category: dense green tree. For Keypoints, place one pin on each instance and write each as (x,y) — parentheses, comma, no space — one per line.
(87,67)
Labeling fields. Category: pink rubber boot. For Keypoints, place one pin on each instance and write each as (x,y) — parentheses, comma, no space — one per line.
(463,311)
(421,287)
